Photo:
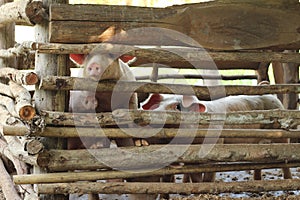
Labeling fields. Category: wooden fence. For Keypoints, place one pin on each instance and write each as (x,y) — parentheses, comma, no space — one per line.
(235,35)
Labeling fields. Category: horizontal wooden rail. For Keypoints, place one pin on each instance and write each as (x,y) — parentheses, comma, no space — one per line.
(202,92)
(158,156)
(281,118)
(194,76)
(62,177)
(67,132)
(169,188)
(177,57)
(23,12)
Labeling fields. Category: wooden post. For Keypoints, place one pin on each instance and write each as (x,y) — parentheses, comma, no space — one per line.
(7,40)
(46,64)
(291,76)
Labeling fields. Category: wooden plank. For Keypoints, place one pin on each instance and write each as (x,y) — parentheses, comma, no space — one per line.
(214,25)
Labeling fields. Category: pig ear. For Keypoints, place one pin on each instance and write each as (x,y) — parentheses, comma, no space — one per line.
(187,101)
(128,59)
(107,34)
(77,58)
(112,33)
(193,103)
(153,102)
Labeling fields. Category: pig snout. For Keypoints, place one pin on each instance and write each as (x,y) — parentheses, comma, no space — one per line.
(94,70)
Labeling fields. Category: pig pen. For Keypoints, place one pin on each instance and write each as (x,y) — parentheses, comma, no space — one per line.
(159,37)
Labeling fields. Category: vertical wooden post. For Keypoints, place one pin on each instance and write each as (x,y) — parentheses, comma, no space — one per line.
(262,72)
(278,76)
(291,75)
(46,64)
(154,74)
(287,73)
(7,40)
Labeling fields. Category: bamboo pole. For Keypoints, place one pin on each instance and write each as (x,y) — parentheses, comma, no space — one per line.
(157,156)
(281,118)
(169,188)
(67,132)
(62,177)
(202,92)
(23,12)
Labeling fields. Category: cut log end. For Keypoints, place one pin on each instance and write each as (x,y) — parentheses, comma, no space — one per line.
(34,147)
(31,79)
(27,112)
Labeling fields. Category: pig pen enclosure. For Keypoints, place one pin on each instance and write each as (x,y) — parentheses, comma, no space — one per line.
(210,36)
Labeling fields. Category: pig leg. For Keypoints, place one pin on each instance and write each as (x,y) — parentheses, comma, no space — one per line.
(287,173)
(192,178)
(257,174)
(93,197)
(128,142)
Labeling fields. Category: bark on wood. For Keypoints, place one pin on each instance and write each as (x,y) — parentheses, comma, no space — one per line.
(17,149)
(158,156)
(67,132)
(50,100)
(9,104)
(202,92)
(278,118)
(13,52)
(291,76)
(169,188)
(23,12)
(60,177)
(23,105)
(5,90)
(204,22)
(20,77)
(7,184)
(21,169)
(7,40)
(173,57)
(20,166)
(193,76)
(14,144)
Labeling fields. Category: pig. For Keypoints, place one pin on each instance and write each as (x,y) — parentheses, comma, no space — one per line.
(106,67)
(226,104)
(82,101)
